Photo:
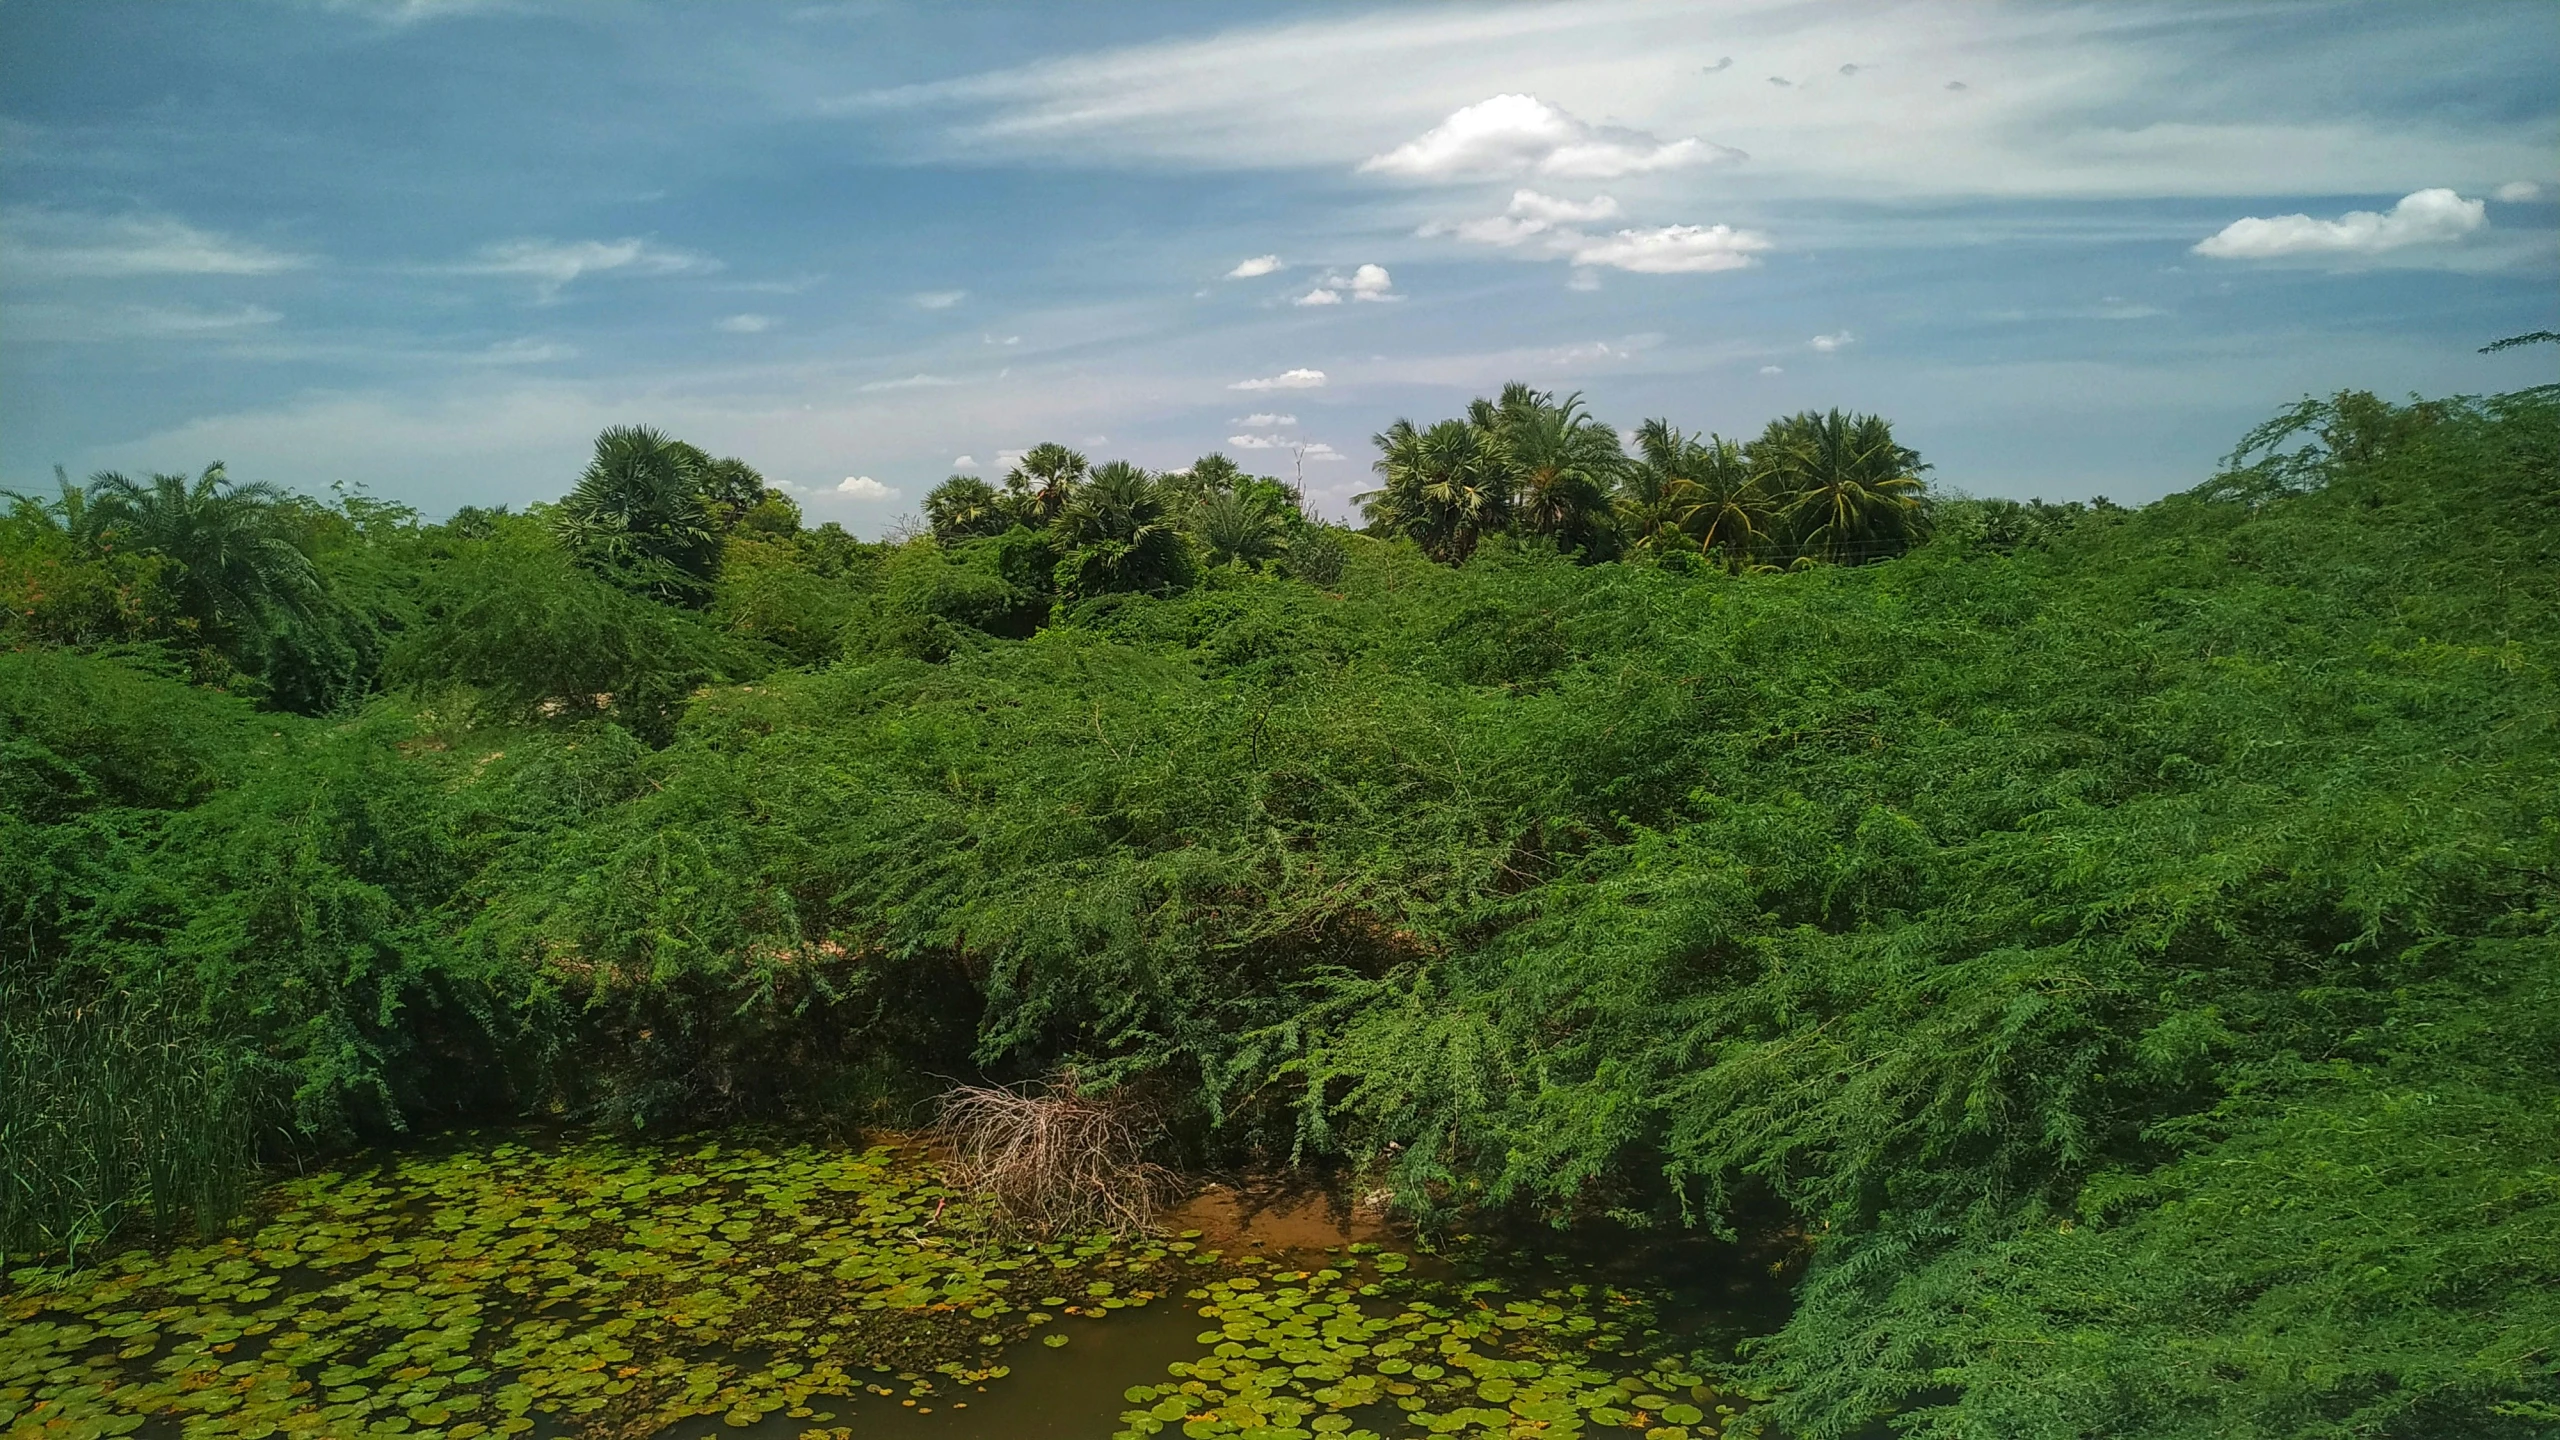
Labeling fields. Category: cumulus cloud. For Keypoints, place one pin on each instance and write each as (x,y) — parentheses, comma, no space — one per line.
(1838,341)
(1319,296)
(1674,249)
(1773,369)
(1522,134)
(1263,420)
(938,299)
(1257,442)
(2426,217)
(1530,217)
(1258,265)
(2518,192)
(964,462)
(1300,379)
(1371,282)
(863,487)
(553,264)
(747,324)
(1318,450)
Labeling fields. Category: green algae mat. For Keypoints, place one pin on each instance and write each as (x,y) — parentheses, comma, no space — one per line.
(607,1289)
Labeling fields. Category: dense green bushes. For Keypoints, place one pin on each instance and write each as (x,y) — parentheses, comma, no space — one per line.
(2120,940)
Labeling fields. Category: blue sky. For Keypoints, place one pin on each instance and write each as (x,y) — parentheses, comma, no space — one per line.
(432,247)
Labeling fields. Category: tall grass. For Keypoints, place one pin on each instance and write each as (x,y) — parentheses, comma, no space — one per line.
(115,1113)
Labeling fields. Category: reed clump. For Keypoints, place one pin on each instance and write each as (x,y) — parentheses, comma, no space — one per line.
(115,1112)
(1055,1158)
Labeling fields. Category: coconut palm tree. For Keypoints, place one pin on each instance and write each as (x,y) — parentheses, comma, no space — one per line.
(638,516)
(1848,493)
(1043,481)
(1123,536)
(1649,493)
(237,573)
(1564,470)
(1445,489)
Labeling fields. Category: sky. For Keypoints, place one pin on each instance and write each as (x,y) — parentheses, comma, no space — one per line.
(431,247)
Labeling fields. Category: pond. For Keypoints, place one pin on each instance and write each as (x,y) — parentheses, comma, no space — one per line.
(736,1289)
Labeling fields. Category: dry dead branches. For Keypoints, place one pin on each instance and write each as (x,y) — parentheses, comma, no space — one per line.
(1054,1159)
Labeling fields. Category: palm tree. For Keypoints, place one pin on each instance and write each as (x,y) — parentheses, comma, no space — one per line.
(1850,494)
(638,516)
(1122,534)
(1234,527)
(1564,469)
(1044,480)
(1445,487)
(965,507)
(237,573)
(1721,505)
(1649,492)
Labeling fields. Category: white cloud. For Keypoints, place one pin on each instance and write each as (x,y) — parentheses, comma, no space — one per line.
(57,243)
(918,381)
(1371,282)
(1513,134)
(863,487)
(2426,217)
(1258,265)
(1840,340)
(552,264)
(938,299)
(1584,280)
(1530,205)
(964,462)
(1674,249)
(1285,380)
(1264,420)
(526,351)
(747,324)
(1257,442)
(2518,192)
(1773,369)
(1318,450)
(1008,340)
(1319,296)
(2055,105)
(78,324)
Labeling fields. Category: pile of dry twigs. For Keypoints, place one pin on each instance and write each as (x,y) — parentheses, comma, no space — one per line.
(1055,1159)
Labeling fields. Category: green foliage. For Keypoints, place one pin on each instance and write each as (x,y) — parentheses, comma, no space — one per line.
(543,639)
(2118,945)
(113,1109)
(640,516)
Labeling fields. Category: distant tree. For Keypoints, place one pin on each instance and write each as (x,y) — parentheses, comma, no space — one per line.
(965,507)
(1043,481)
(1563,469)
(1238,527)
(1847,492)
(236,574)
(1445,488)
(1121,535)
(1208,475)
(638,517)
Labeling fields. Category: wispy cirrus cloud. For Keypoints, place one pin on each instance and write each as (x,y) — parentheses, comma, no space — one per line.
(554,264)
(42,242)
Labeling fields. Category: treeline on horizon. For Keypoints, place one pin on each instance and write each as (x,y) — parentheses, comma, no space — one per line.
(2118,944)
